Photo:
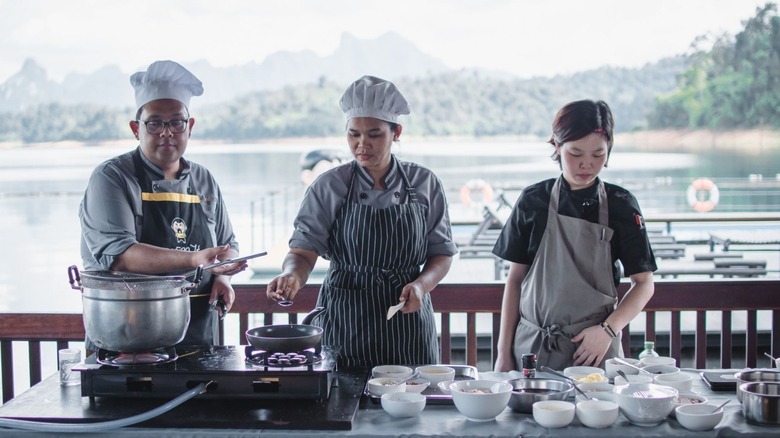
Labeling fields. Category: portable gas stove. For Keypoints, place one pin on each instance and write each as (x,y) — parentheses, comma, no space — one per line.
(235,372)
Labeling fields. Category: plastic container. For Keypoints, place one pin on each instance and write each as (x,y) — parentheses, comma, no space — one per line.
(649,350)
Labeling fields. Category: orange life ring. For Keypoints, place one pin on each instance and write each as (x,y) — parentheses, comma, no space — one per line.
(703,195)
(476,185)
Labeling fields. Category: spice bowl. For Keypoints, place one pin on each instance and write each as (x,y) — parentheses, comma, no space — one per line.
(380,386)
(680,381)
(403,404)
(597,414)
(553,413)
(612,366)
(698,417)
(393,371)
(480,400)
(436,373)
(417,385)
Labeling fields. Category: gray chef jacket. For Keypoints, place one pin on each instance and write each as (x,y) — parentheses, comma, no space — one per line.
(328,193)
(112,216)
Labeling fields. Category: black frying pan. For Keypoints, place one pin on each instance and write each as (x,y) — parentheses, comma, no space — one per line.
(287,338)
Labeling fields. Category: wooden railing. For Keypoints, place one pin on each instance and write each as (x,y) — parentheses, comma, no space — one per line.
(724,296)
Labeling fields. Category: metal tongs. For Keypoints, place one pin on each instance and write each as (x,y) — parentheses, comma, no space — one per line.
(235,260)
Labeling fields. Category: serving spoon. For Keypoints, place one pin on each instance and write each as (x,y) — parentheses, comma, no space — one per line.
(621,361)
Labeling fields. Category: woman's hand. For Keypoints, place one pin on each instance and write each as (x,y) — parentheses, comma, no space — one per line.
(594,343)
(412,293)
(296,268)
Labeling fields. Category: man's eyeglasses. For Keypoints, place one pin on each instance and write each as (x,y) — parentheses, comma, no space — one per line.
(158,126)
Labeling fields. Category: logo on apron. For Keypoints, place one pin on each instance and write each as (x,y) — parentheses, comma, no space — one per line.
(179,228)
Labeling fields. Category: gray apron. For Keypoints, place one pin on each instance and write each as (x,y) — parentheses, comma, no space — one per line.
(569,286)
(373,254)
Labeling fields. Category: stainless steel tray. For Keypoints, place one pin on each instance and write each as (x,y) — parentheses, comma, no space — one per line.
(433,394)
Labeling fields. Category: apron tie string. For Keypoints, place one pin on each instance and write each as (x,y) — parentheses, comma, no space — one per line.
(390,274)
(549,334)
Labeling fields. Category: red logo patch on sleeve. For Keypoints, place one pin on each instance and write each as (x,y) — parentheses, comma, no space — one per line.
(639,221)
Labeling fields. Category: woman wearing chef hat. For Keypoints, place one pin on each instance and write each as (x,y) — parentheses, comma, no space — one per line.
(564,240)
(384,226)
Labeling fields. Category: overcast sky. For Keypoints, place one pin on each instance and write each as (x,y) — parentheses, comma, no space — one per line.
(525,37)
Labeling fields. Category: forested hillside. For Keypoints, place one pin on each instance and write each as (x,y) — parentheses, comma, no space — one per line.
(734,83)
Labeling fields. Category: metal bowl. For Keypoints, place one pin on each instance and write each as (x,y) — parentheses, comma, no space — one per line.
(526,392)
(749,376)
(761,402)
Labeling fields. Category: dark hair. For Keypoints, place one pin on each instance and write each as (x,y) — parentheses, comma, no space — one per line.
(578,119)
(311,158)
(393,126)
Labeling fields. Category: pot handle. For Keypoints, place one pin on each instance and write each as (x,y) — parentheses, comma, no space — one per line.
(311,315)
(195,281)
(74,277)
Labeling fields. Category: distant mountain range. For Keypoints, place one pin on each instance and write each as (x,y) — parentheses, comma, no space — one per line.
(389,56)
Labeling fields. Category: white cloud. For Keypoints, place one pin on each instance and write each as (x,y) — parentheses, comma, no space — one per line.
(522,37)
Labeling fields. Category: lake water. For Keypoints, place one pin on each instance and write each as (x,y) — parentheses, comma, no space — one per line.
(41,187)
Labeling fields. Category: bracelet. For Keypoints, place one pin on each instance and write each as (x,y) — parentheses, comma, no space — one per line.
(605,325)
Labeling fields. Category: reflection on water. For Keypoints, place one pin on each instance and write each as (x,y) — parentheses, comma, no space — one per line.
(40,189)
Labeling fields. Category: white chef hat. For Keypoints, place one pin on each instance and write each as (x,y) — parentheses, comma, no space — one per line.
(370,96)
(165,80)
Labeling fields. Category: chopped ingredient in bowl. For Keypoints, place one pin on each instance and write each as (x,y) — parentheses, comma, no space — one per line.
(592,378)
(477,390)
(683,400)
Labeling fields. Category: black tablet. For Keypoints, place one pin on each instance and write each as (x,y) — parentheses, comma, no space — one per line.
(719,381)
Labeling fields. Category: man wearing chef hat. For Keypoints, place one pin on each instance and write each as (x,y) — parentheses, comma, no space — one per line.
(151,211)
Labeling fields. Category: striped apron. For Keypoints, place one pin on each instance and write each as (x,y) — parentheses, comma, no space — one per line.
(569,286)
(374,253)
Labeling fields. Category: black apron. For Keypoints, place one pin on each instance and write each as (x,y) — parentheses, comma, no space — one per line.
(374,253)
(569,286)
(173,218)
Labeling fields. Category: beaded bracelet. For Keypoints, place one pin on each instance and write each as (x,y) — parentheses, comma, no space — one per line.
(605,325)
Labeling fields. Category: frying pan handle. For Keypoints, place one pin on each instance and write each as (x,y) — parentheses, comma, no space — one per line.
(196,280)
(74,277)
(311,315)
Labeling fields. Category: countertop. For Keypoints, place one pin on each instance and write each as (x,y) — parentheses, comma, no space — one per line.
(435,420)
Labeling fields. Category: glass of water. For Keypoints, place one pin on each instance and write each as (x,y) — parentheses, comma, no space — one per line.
(69,358)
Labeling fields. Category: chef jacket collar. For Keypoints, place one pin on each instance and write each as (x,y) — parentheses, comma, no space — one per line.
(590,191)
(389,178)
(158,173)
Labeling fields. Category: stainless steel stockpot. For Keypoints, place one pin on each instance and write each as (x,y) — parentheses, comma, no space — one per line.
(761,402)
(134,313)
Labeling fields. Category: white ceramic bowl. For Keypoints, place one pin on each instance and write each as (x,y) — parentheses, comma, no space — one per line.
(687,398)
(597,414)
(645,404)
(553,413)
(680,381)
(403,404)
(660,360)
(417,385)
(634,378)
(612,366)
(586,374)
(598,391)
(661,369)
(699,417)
(393,371)
(379,386)
(480,400)
(436,373)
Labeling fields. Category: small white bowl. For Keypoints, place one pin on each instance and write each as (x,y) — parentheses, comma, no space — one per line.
(612,366)
(597,414)
(403,404)
(553,413)
(661,369)
(417,385)
(658,360)
(436,373)
(480,400)
(680,381)
(586,374)
(688,398)
(699,417)
(393,371)
(634,378)
(380,386)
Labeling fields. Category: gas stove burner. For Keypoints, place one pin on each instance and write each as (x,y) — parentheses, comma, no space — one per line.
(282,360)
(154,357)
